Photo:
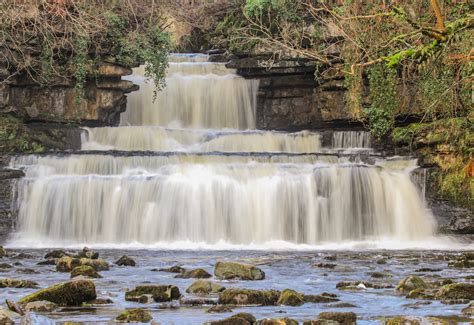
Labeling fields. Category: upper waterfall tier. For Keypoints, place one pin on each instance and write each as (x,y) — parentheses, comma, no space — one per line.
(197,94)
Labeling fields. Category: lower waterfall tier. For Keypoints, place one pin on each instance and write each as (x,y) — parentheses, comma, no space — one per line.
(249,203)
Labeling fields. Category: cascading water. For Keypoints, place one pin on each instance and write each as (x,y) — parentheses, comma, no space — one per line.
(190,167)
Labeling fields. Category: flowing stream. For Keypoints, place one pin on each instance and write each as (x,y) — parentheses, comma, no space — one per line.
(191,167)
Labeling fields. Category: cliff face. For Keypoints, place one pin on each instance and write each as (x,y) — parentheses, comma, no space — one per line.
(290,98)
(102,104)
(35,118)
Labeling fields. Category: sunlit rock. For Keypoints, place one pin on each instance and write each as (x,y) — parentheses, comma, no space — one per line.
(72,293)
(234,270)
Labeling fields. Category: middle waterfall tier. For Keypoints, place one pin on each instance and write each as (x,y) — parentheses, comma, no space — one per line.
(163,139)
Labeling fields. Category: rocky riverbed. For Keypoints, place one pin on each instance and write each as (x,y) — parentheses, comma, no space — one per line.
(195,287)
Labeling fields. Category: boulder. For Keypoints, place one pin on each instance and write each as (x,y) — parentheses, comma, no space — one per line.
(40,306)
(173,269)
(98,302)
(461,263)
(340,317)
(290,297)
(219,309)
(325,265)
(203,287)
(197,301)
(456,291)
(15,283)
(194,274)
(88,253)
(135,315)
(234,270)
(420,294)
(469,310)
(381,261)
(5,266)
(342,305)
(22,256)
(58,253)
(71,293)
(319,298)
(277,321)
(85,270)
(5,318)
(248,297)
(410,283)
(160,293)
(237,319)
(67,263)
(3,252)
(125,261)
(354,285)
(47,262)
(380,275)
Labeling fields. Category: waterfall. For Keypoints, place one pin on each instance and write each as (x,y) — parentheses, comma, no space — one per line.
(351,139)
(192,167)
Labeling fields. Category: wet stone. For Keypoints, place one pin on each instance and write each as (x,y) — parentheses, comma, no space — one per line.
(237,319)
(55,254)
(135,315)
(219,309)
(172,269)
(125,261)
(194,274)
(340,317)
(248,297)
(160,293)
(277,321)
(85,270)
(40,306)
(19,284)
(203,287)
(234,270)
(326,265)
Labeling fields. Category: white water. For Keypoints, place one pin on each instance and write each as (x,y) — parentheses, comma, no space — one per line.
(266,190)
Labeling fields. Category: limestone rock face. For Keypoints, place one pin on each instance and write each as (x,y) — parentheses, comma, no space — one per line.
(72,293)
(242,271)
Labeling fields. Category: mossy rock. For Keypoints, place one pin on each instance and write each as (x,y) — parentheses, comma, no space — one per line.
(125,261)
(420,294)
(68,263)
(290,297)
(249,297)
(456,291)
(204,287)
(19,284)
(402,320)
(172,269)
(410,283)
(237,319)
(277,321)
(340,317)
(135,315)
(71,293)
(57,253)
(469,310)
(219,309)
(160,293)
(3,252)
(234,270)
(87,253)
(40,306)
(461,263)
(319,299)
(85,270)
(194,274)
(5,318)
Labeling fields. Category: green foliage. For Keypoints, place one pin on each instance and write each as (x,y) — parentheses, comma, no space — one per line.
(79,62)
(380,115)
